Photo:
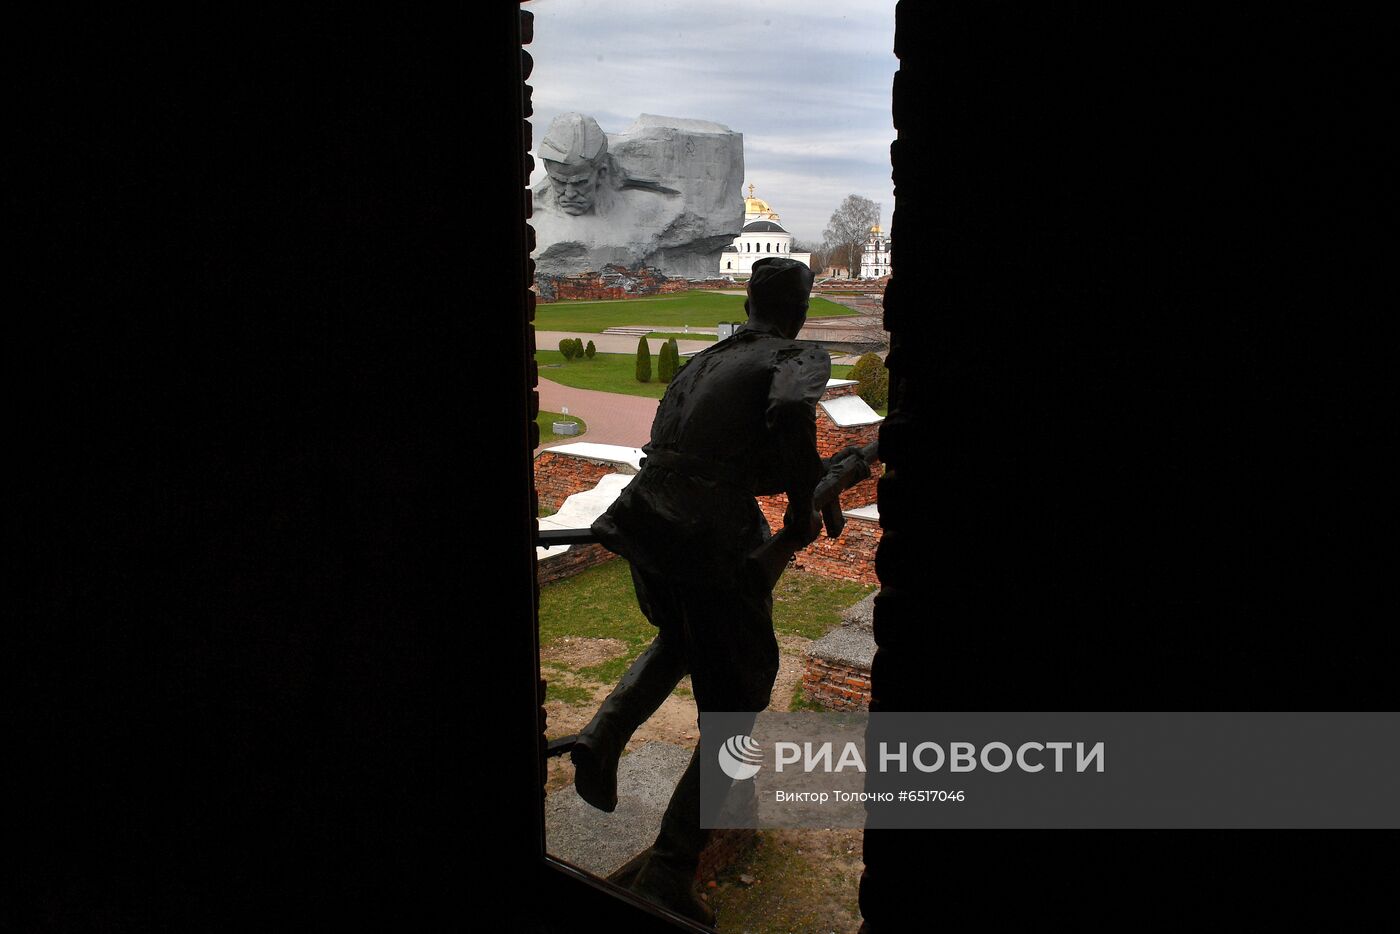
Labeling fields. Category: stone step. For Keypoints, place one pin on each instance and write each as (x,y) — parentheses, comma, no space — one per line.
(608,845)
(630,332)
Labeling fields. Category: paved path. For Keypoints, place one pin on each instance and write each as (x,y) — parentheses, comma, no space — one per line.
(613,418)
(613,343)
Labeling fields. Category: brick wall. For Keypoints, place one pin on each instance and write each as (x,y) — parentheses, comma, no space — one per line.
(851,285)
(836,685)
(611,282)
(711,284)
(863,493)
(849,557)
(835,392)
(559,476)
(832,438)
(578,558)
(617,282)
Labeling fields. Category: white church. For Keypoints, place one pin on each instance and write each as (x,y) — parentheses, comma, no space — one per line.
(762,236)
(875,258)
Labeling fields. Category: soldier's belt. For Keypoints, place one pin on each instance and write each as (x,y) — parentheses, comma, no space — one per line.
(704,468)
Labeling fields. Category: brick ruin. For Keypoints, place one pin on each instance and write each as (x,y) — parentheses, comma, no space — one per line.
(560,473)
(836,685)
(837,675)
(850,285)
(851,555)
(578,469)
(616,282)
(576,560)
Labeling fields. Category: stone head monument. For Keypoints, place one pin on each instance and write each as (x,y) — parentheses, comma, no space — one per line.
(575,156)
(664,193)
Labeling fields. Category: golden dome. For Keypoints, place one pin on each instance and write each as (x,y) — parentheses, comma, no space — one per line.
(758,206)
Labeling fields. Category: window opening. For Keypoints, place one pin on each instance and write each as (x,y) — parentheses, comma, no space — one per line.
(803,153)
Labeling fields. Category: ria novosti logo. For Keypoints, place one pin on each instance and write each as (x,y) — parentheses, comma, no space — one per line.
(740,757)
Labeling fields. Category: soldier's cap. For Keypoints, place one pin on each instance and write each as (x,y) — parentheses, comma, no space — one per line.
(573,139)
(779,277)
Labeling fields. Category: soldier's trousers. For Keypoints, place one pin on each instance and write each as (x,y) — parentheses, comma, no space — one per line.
(721,634)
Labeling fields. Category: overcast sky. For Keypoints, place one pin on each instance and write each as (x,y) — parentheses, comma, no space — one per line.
(806,81)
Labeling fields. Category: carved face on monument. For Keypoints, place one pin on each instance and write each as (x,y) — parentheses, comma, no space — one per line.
(575,154)
(575,186)
(662,193)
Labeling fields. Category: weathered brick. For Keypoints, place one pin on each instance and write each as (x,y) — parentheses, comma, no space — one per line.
(851,556)
(835,685)
(559,476)
(578,558)
(617,282)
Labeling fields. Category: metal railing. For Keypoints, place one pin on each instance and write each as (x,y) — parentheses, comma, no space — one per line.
(548,538)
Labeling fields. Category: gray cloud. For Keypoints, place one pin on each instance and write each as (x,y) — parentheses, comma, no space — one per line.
(806,81)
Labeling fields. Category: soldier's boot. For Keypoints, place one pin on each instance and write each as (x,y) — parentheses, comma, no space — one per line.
(667,877)
(640,691)
(740,808)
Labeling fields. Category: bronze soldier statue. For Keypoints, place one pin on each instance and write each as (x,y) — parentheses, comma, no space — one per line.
(739,420)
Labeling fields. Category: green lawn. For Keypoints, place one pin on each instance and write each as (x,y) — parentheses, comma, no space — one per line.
(810,605)
(698,309)
(793,880)
(546,422)
(606,372)
(800,702)
(600,604)
(597,604)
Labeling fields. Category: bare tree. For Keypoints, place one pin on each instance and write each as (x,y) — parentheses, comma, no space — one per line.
(818,261)
(848,230)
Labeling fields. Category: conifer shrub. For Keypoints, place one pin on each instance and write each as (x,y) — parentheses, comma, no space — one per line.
(872,379)
(666,367)
(643,361)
